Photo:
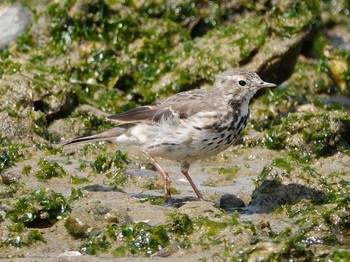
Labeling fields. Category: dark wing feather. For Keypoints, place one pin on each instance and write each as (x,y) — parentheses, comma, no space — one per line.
(106,135)
(143,113)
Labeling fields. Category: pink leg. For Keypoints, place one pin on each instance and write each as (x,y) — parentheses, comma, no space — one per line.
(184,169)
(165,175)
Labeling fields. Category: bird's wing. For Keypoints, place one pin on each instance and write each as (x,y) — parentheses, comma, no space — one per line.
(181,105)
(135,115)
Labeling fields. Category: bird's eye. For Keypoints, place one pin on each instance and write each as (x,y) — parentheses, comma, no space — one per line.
(242,82)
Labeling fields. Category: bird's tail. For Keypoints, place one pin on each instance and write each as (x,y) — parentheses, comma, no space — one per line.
(110,134)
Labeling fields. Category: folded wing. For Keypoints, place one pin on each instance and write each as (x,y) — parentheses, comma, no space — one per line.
(182,105)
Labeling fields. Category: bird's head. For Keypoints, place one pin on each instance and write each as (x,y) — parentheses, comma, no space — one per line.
(240,83)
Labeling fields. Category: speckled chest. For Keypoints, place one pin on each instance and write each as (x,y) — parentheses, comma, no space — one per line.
(226,130)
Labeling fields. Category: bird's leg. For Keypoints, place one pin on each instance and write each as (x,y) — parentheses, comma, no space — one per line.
(184,169)
(166,179)
(155,163)
(159,182)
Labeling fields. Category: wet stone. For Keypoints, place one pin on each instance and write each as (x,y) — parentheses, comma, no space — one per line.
(230,201)
(9,177)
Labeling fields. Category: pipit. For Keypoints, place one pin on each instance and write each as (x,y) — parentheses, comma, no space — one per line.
(189,125)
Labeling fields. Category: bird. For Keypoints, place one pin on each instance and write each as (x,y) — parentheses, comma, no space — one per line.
(189,125)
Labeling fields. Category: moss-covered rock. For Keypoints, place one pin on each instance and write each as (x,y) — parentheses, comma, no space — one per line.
(308,135)
(313,200)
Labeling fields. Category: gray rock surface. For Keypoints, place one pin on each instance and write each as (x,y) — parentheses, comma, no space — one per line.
(13,19)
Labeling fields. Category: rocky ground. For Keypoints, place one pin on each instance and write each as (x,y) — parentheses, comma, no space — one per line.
(282,194)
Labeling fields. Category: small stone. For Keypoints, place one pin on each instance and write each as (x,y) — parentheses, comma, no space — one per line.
(118,217)
(8,178)
(229,201)
(168,251)
(78,228)
(70,254)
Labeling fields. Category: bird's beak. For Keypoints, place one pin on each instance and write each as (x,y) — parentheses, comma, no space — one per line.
(263,84)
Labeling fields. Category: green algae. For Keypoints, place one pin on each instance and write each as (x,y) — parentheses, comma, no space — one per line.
(144,240)
(137,238)
(340,255)
(76,193)
(98,242)
(309,84)
(240,39)
(22,239)
(224,175)
(318,207)
(26,170)
(9,191)
(78,180)
(117,179)
(280,181)
(11,153)
(310,135)
(295,18)
(314,84)
(119,57)
(38,207)
(49,169)
(93,148)
(153,184)
(230,173)
(112,164)
(106,161)
(210,233)
(181,224)
(103,65)
(153,200)
(77,228)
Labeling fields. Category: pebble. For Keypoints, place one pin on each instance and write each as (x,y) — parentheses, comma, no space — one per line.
(229,201)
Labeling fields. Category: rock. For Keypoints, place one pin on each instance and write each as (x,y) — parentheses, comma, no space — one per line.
(277,187)
(68,254)
(78,227)
(9,177)
(20,128)
(55,102)
(76,125)
(287,181)
(168,251)
(118,217)
(25,110)
(247,43)
(230,201)
(276,59)
(13,19)
(310,134)
(200,209)
(17,93)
